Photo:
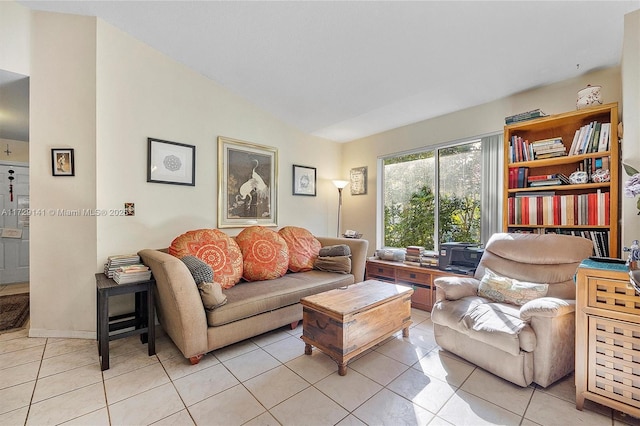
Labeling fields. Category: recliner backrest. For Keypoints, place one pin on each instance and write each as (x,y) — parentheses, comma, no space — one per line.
(539,258)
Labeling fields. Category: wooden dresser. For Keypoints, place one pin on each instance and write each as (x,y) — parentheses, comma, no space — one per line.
(417,277)
(607,338)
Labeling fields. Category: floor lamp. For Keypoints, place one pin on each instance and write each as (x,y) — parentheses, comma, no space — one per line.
(340,184)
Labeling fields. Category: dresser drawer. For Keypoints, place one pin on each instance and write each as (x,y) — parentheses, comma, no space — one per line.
(414,277)
(377,270)
(614,360)
(613,295)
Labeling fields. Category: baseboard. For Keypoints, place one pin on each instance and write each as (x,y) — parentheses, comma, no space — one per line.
(71,334)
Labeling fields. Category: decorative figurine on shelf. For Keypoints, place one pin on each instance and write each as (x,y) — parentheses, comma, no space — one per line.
(589,96)
(578,177)
(601,175)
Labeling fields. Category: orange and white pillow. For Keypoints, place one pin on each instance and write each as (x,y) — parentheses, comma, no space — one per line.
(215,248)
(264,252)
(303,248)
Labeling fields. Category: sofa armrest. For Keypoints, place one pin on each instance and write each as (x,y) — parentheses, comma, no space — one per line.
(178,302)
(454,288)
(358,248)
(546,307)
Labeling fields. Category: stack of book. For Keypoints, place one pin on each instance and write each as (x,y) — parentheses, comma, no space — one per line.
(523,116)
(429,259)
(132,274)
(413,255)
(118,260)
(592,137)
(548,148)
(547,180)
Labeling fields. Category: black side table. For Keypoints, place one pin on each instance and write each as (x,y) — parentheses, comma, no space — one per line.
(142,320)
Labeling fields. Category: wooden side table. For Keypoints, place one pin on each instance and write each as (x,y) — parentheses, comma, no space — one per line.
(142,320)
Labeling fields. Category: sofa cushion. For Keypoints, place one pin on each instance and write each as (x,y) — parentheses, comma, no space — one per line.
(200,270)
(509,290)
(264,252)
(211,295)
(303,248)
(340,264)
(252,298)
(335,250)
(215,248)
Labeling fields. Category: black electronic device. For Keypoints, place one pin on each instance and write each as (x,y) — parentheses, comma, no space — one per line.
(459,258)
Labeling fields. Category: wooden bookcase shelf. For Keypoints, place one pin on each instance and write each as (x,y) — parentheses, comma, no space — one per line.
(559,219)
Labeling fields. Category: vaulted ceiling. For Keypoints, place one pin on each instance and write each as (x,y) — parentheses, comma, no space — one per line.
(344,70)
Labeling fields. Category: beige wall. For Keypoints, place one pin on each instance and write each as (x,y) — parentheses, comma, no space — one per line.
(359,211)
(62,114)
(631,119)
(99,91)
(15,37)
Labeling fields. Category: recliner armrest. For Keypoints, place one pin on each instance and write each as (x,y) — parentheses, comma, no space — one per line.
(454,288)
(547,307)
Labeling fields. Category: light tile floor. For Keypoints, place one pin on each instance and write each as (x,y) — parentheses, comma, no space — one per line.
(268,380)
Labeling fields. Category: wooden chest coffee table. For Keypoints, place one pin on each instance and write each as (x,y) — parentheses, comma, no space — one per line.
(346,322)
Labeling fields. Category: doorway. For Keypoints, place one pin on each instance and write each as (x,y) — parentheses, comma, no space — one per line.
(14,223)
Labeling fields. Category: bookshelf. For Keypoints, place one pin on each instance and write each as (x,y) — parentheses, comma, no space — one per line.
(588,209)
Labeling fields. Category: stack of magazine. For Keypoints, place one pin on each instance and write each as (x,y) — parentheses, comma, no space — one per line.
(118,260)
(132,274)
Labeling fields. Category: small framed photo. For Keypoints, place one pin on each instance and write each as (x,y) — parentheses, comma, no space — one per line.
(171,162)
(62,162)
(304,180)
(358,180)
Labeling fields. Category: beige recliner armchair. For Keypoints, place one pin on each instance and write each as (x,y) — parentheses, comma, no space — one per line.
(516,316)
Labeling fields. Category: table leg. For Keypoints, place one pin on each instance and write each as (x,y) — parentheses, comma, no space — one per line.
(151,322)
(103,327)
(307,349)
(342,368)
(405,332)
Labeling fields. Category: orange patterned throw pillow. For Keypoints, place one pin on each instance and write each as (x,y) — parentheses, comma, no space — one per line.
(303,248)
(264,252)
(215,248)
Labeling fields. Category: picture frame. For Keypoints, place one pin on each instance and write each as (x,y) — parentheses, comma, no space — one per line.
(304,180)
(171,162)
(247,184)
(358,180)
(62,162)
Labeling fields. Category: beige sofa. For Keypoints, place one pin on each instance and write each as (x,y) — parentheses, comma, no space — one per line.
(252,308)
(531,342)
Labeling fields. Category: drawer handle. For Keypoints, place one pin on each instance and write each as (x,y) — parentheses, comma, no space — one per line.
(321,327)
(412,275)
(380,270)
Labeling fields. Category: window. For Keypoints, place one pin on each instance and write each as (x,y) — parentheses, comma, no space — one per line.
(436,195)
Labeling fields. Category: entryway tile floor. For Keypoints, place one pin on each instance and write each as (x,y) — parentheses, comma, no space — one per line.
(268,380)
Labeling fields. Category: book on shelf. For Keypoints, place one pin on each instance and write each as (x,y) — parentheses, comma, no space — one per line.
(547,180)
(523,116)
(590,138)
(590,209)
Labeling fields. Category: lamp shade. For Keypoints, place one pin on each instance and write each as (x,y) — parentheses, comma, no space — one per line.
(340,183)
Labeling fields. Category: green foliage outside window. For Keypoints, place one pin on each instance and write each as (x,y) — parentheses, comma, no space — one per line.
(409,207)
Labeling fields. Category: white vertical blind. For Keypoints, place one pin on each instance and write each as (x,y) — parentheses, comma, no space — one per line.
(491,186)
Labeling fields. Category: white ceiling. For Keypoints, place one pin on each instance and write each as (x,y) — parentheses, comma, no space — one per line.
(344,70)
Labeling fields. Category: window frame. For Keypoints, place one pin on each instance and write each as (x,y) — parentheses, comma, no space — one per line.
(493,222)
